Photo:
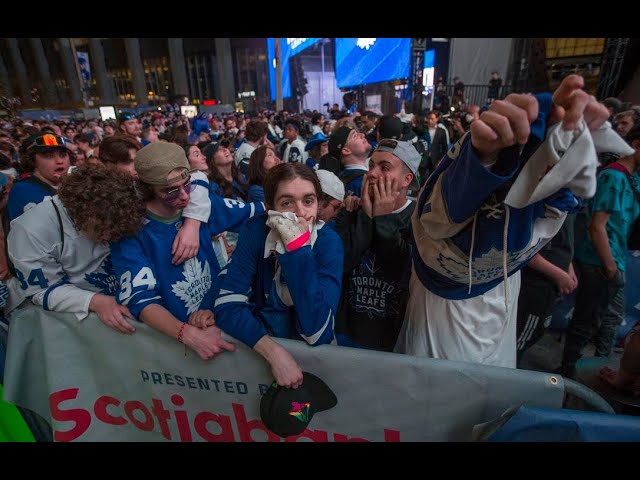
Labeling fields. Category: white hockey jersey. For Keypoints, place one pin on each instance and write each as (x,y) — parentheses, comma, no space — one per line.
(65,278)
(59,278)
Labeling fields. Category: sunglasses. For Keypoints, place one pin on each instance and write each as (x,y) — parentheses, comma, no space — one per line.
(48,140)
(172,195)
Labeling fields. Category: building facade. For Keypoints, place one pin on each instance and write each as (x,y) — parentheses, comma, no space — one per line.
(132,72)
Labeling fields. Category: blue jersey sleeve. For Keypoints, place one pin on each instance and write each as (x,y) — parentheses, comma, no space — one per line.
(314,278)
(138,285)
(229,214)
(467,183)
(234,313)
(214,189)
(24,196)
(256,193)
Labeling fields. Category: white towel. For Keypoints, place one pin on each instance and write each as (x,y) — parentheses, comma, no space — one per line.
(573,161)
(275,243)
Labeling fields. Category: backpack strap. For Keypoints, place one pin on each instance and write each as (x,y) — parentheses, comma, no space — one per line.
(59,223)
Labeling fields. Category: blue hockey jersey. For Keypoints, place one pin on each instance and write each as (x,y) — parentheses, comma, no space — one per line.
(299,293)
(147,276)
(26,194)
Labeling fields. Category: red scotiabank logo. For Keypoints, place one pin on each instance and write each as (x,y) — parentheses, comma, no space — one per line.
(189,424)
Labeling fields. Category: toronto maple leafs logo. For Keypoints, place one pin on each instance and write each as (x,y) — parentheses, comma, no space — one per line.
(196,284)
(366,43)
(370,292)
(105,280)
(485,267)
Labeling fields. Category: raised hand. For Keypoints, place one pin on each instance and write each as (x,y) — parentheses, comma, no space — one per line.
(570,103)
(506,123)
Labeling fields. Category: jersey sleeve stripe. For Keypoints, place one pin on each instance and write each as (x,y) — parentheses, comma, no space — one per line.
(45,300)
(237,298)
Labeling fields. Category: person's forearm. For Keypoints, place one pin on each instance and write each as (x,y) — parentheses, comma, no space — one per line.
(66,298)
(601,245)
(544,266)
(268,348)
(159,318)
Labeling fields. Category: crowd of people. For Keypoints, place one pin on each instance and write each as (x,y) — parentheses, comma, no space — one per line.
(391,232)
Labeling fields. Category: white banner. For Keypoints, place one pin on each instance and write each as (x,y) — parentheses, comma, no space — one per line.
(96,384)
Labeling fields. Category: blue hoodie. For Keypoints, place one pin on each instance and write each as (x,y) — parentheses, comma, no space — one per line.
(461,214)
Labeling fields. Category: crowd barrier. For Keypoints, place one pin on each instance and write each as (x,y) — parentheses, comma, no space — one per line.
(95,384)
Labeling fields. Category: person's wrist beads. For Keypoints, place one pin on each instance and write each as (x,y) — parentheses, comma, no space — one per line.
(180,332)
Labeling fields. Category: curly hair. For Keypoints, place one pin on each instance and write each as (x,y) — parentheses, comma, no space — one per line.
(103,201)
(255,130)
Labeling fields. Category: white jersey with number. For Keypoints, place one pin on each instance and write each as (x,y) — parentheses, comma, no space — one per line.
(243,153)
(294,152)
(65,279)
(59,279)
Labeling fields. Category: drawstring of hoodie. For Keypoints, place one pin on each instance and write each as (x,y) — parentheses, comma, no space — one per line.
(505,238)
(473,240)
(505,234)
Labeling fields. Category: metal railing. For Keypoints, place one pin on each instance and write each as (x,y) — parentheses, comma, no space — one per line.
(477,94)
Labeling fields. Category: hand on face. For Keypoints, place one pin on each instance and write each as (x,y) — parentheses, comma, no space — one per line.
(385,195)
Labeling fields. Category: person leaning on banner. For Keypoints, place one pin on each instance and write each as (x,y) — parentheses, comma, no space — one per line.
(174,299)
(59,247)
(376,231)
(45,158)
(285,276)
(470,244)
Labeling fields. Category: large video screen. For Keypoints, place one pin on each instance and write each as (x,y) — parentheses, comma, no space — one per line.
(289,47)
(370,60)
(428,70)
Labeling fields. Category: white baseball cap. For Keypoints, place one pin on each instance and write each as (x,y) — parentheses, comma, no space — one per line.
(331,185)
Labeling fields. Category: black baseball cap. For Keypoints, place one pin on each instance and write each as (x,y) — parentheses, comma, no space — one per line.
(390,126)
(288,411)
(124,116)
(338,140)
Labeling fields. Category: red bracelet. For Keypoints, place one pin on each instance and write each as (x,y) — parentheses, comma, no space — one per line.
(180,332)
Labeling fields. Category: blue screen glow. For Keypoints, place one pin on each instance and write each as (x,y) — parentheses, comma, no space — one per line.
(289,48)
(369,60)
